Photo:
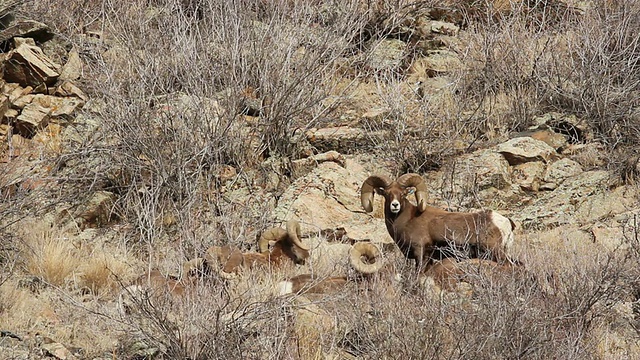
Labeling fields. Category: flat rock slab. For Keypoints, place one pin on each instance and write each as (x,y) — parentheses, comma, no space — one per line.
(525,149)
(27,28)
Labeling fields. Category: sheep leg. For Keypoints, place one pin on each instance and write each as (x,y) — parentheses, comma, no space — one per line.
(422,262)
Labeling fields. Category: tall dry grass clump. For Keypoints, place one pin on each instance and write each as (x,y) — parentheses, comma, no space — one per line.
(49,255)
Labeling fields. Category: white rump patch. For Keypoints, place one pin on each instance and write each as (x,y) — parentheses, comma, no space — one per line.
(504,225)
(285,287)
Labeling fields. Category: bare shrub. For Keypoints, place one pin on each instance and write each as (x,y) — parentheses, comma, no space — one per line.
(213,322)
(497,92)
(183,90)
(594,71)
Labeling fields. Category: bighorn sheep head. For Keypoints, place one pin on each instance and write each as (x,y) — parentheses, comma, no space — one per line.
(285,242)
(394,192)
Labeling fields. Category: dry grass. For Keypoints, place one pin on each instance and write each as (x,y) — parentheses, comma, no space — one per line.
(103,273)
(50,255)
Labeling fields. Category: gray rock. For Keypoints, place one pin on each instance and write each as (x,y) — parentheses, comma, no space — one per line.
(529,175)
(558,171)
(26,29)
(569,203)
(72,69)
(387,55)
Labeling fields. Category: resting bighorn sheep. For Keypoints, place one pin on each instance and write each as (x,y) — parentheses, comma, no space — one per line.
(286,247)
(365,258)
(449,272)
(418,230)
(153,285)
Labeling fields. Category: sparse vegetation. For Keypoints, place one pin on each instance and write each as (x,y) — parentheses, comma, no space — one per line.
(196,110)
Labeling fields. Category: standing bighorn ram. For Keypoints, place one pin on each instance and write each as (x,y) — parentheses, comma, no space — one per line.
(418,230)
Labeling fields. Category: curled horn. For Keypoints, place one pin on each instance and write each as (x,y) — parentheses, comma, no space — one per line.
(195,267)
(225,259)
(365,258)
(273,234)
(368,188)
(293,229)
(415,180)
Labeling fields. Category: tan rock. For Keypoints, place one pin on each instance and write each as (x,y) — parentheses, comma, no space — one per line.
(22,98)
(436,63)
(26,29)
(32,118)
(67,88)
(328,198)
(524,149)
(57,350)
(39,109)
(16,92)
(27,65)
(58,106)
(10,115)
(19,41)
(72,69)
(611,238)
(600,204)
(4,106)
(583,200)
(482,169)
(551,138)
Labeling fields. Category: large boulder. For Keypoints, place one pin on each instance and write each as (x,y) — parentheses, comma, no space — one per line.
(27,65)
(581,199)
(482,178)
(328,198)
(524,149)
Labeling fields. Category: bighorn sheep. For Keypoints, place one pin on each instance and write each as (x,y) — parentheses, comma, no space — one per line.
(153,285)
(449,272)
(286,247)
(418,230)
(365,258)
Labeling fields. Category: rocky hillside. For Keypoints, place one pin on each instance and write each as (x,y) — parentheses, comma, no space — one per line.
(135,135)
